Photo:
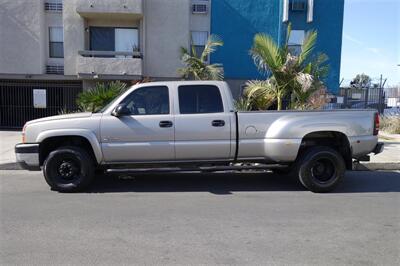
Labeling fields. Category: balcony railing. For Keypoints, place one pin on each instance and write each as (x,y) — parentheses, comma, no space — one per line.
(105,54)
(92,63)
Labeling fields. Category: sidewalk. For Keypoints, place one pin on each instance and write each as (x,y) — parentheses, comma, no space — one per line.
(8,139)
(389,159)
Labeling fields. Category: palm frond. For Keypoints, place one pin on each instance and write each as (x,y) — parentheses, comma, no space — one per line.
(308,46)
(213,42)
(260,93)
(215,72)
(266,53)
(197,68)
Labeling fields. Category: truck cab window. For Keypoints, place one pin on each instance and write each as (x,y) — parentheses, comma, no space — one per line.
(148,101)
(199,99)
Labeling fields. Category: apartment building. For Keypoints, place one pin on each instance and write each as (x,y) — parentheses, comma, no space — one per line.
(57,48)
(237,21)
(52,49)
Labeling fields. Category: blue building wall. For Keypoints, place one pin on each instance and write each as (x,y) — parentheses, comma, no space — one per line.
(237,21)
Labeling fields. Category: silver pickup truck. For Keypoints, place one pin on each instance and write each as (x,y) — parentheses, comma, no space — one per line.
(193,126)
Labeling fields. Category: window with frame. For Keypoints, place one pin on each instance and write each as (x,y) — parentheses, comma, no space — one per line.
(148,101)
(199,40)
(56,42)
(295,42)
(114,39)
(199,99)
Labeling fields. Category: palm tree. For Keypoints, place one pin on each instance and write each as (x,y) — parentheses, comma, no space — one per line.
(283,67)
(197,67)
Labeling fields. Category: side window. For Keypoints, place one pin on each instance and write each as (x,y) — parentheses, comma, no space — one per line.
(199,99)
(148,101)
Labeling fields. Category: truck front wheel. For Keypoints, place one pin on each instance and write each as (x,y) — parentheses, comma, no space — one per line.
(321,169)
(68,169)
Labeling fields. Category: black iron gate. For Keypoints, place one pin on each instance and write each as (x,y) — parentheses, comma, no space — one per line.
(17,100)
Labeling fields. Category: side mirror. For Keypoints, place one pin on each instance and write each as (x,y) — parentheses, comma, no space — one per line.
(121,110)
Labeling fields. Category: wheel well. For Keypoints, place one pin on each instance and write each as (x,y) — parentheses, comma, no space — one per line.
(52,143)
(333,139)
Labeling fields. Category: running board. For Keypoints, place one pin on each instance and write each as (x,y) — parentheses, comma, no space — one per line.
(194,169)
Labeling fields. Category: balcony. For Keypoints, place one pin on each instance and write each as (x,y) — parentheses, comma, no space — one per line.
(92,64)
(121,9)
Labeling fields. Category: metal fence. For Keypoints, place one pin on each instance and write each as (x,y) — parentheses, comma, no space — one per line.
(359,98)
(18,97)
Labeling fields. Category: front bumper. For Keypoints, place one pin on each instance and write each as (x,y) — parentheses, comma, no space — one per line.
(27,155)
(378,148)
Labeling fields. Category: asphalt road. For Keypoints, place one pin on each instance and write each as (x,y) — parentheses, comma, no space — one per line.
(207,219)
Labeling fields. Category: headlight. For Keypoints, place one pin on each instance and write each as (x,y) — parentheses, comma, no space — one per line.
(23,134)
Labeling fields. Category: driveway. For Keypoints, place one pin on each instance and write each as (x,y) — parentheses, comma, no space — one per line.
(201,219)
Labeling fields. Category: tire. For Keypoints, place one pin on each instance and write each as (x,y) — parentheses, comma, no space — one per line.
(321,169)
(68,169)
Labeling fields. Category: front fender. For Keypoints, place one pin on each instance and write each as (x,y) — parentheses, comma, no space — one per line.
(87,134)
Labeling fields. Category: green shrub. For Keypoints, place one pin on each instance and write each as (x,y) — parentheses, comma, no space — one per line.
(94,99)
(390,124)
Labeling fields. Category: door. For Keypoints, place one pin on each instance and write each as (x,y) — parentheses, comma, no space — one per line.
(147,134)
(202,127)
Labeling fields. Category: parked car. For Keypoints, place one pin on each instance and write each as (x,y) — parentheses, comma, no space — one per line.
(192,125)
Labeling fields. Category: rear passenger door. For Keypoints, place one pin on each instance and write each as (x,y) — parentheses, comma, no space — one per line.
(202,127)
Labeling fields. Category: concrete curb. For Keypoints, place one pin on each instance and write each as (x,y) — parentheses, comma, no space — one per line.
(10,166)
(372,166)
(366,166)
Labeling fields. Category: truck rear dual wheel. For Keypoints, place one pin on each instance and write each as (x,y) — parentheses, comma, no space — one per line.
(68,169)
(321,169)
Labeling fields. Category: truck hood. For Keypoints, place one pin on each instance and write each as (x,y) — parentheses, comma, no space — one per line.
(58,117)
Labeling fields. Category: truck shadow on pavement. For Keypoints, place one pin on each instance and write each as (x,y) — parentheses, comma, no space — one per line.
(226,183)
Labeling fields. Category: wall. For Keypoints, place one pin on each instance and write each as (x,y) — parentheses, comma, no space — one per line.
(236,22)
(22,37)
(328,21)
(166,25)
(74,36)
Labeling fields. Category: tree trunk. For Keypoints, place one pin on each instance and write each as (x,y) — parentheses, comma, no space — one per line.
(279,103)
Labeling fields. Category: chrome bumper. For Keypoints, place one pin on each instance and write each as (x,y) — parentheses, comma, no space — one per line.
(27,155)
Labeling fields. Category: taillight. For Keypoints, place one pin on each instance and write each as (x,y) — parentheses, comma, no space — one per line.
(376,124)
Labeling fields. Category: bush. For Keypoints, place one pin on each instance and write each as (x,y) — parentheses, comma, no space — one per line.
(94,99)
(390,124)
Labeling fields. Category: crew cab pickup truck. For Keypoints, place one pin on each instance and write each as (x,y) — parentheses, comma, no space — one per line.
(193,126)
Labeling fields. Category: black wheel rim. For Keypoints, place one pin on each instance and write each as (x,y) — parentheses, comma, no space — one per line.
(68,170)
(323,170)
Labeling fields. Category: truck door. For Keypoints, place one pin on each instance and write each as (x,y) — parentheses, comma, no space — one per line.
(202,126)
(147,134)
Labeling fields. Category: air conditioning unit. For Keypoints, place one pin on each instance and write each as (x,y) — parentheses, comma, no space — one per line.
(53,6)
(55,69)
(199,8)
(298,5)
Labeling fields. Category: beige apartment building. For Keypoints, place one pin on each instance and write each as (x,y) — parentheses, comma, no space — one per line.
(66,46)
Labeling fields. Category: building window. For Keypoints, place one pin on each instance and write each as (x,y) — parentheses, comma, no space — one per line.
(298,5)
(56,43)
(199,40)
(295,42)
(114,39)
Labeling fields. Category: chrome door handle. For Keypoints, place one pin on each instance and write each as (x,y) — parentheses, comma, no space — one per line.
(218,123)
(166,124)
